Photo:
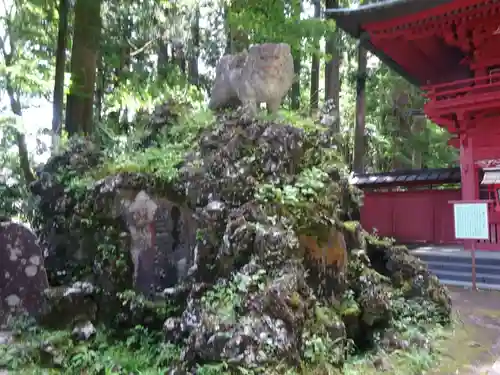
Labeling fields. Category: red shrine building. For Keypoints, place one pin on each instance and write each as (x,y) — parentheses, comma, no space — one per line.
(451,49)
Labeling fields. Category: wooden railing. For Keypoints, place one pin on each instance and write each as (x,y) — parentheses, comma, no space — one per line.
(464,95)
(470,86)
(493,243)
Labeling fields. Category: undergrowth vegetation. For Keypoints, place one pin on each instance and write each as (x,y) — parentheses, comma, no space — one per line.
(142,352)
(124,153)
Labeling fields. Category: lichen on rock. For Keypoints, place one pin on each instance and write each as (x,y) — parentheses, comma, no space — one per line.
(272,271)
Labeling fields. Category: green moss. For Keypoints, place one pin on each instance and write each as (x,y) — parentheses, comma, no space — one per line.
(375,240)
(351,226)
(374,277)
(326,315)
(406,287)
(288,117)
(295,300)
(349,307)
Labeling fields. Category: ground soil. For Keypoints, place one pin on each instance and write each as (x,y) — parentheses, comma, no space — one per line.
(474,346)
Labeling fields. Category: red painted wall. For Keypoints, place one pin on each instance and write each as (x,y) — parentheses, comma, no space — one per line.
(486,139)
(411,216)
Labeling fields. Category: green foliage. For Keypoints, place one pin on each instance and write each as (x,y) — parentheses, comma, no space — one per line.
(394,132)
(138,351)
(160,162)
(24,66)
(137,302)
(310,201)
(276,22)
(139,69)
(226,296)
(15,200)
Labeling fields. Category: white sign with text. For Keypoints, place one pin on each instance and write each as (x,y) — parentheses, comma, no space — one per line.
(471,221)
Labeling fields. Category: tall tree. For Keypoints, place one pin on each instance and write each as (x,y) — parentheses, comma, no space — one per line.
(332,69)
(297,58)
(359,129)
(314,94)
(418,127)
(195,47)
(84,55)
(163,55)
(58,96)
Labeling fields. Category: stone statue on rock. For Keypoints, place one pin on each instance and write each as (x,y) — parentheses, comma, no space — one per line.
(263,74)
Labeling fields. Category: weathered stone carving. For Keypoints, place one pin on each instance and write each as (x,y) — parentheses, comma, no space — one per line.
(162,238)
(264,74)
(22,274)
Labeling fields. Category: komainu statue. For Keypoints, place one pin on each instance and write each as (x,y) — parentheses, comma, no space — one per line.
(263,74)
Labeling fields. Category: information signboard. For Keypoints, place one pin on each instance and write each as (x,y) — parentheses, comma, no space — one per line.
(471,221)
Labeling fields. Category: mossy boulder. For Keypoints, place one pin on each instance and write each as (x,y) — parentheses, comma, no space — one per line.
(253,295)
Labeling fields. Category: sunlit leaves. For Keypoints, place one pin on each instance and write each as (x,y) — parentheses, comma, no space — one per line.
(27,52)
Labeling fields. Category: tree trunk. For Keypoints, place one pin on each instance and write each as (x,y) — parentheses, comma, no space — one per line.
(100,85)
(179,55)
(297,56)
(296,84)
(84,54)
(195,52)
(359,130)
(125,50)
(418,128)
(24,160)
(332,70)
(227,28)
(163,58)
(314,94)
(123,69)
(58,104)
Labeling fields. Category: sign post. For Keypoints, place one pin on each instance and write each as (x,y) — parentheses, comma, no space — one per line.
(471,223)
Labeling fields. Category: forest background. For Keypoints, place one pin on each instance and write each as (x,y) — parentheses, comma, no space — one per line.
(95,67)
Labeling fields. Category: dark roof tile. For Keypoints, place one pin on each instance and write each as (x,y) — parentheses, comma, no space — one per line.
(427,176)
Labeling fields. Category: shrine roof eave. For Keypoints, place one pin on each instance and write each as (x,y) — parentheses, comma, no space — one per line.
(353,21)
(435,176)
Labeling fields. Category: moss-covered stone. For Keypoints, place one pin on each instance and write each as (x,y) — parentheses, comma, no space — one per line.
(252,298)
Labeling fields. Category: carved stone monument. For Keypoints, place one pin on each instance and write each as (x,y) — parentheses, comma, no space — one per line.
(264,74)
(163,238)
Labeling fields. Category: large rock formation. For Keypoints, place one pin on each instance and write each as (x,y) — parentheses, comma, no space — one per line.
(250,241)
(264,74)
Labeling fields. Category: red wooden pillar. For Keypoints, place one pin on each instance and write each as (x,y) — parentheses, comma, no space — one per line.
(468,174)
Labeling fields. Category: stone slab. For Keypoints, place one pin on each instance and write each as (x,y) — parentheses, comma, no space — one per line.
(22,274)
